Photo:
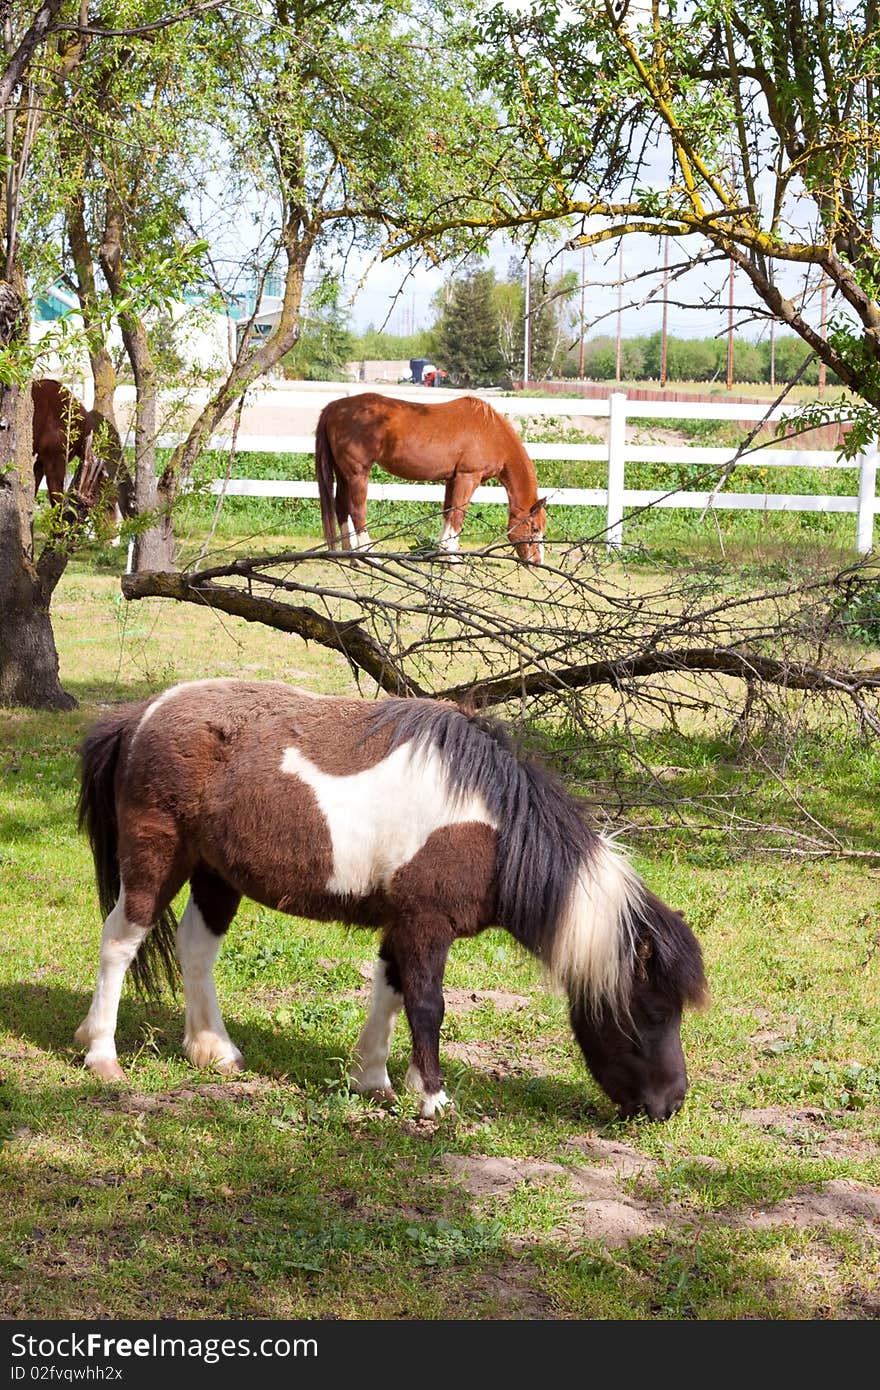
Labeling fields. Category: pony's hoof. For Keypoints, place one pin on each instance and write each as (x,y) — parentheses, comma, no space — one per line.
(206,1051)
(381,1093)
(106,1069)
(434,1107)
(229,1066)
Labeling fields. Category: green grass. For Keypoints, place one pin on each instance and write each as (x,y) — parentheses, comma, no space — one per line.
(282,1195)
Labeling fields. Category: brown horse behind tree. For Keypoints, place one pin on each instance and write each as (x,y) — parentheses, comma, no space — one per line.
(462,442)
(64,437)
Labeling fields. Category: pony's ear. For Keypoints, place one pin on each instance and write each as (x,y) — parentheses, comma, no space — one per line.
(644,952)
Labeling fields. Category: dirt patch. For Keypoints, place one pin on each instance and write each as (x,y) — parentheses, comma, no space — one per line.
(463,1001)
(600,1207)
(599,1210)
(175,1101)
(497,1060)
(813,1130)
(839,1203)
(511,1291)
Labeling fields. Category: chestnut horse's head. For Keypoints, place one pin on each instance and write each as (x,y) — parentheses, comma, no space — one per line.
(526,531)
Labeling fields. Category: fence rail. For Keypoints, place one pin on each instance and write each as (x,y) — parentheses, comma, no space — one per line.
(615,452)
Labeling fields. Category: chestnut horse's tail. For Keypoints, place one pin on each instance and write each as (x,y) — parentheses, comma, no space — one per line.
(100,754)
(325,471)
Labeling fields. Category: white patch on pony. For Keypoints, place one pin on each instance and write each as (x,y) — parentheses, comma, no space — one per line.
(540,550)
(174,690)
(380,818)
(350,534)
(120,940)
(430,1102)
(361,540)
(596,929)
(205,1038)
(370,1069)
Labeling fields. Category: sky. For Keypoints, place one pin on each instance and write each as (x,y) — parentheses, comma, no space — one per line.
(698,301)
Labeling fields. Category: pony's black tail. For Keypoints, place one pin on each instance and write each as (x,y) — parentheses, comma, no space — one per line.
(325,471)
(100,752)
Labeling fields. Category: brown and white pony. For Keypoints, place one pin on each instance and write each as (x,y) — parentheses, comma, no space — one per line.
(460,442)
(410,816)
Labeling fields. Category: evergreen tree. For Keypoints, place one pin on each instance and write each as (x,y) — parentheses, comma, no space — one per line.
(465,340)
(326,343)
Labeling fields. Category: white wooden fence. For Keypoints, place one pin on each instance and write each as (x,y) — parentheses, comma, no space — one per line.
(615,452)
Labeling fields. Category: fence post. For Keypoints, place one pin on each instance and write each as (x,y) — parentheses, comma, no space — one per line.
(616,445)
(867,494)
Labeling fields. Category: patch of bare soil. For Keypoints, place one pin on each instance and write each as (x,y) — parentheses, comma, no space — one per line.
(601,1208)
(176,1101)
(496,1059)
(458,1001)
(509,1292)
(462,1001)
(810,1131)
(838,1203)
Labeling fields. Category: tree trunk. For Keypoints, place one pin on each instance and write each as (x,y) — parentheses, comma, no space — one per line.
(153,547)
(28,657)
(106,435)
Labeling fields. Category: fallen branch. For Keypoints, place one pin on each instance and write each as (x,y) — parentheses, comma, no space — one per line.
(368,654)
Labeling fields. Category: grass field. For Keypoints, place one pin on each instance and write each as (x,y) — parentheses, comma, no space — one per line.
(280,1194)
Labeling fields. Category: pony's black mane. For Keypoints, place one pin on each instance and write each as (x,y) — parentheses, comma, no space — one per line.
(542,836)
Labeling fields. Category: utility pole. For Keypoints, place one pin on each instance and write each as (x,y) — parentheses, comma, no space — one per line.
(527,345)
(730,328)
(583,323)
(618,357)
(663,332)
(823,311)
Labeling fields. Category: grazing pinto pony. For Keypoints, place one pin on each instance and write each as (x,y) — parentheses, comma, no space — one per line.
(407,815)
(461,442)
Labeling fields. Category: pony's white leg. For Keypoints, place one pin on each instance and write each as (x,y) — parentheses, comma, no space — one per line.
(117,523)
(370,1069)
(429,1102)
(120,940)
(205,1038)
(360,539)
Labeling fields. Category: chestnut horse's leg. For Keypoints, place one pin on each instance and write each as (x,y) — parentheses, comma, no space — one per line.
(359,537)
(120,940)
(370,1070)
(460,488)
(211,906)
(342,506)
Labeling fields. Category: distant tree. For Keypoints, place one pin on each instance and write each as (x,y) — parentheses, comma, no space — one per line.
(548,298)
(325,345)
(465,339)
(600,358)
(789,354)
(376,346)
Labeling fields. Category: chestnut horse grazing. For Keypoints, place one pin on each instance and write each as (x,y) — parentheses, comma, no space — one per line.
(410,816)
(62,430)
(63,440)
(460,442)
